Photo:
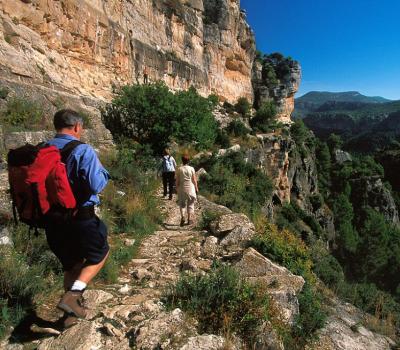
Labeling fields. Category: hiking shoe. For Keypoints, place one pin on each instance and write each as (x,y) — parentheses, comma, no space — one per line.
(190,222)
(182,222)
(71,302)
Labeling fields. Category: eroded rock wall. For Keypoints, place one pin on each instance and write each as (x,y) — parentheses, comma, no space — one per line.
(88,47)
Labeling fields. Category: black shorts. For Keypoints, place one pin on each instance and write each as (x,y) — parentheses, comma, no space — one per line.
(77,241)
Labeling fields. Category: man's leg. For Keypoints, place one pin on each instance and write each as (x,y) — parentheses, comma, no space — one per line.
(94,247)
(165,182)
(88,272)
(72,275)
(171,179)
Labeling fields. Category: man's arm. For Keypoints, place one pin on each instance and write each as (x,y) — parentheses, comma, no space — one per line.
(91,170)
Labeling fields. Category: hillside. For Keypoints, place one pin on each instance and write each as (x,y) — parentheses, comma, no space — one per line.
(349,118)
(313,100)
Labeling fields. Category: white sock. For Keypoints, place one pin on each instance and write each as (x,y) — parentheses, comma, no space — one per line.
(78,285)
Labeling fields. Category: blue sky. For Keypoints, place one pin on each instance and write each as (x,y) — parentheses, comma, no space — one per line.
(342,45)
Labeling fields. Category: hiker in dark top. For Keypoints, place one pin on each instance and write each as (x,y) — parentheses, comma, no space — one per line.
(168,167)
(80,243)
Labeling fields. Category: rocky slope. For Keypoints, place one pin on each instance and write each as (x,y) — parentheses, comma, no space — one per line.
(88,47)
(129,314)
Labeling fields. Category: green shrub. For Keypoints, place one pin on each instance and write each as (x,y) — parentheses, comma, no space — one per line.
(4,91)
(304,139)
(232,182)
(311,316)
(285,248)
(151,114)
(264,117)
(23,114)
(229,108)
(290,217)
(208,216)
(237,128)
(329,270)
(222,139)
(317,201)
(221,301)
(243,106)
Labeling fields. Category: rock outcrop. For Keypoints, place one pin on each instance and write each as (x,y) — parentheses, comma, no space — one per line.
(371,191)
(89,47)
(280,92)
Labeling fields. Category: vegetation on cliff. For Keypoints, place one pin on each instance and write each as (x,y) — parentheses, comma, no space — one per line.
(362,265)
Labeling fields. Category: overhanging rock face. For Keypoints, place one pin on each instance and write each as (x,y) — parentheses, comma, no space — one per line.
(89,47)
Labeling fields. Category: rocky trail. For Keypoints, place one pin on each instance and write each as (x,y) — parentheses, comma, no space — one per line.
(130,314)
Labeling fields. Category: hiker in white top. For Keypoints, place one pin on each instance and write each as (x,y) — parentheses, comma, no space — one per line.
(168,167)
(186,184)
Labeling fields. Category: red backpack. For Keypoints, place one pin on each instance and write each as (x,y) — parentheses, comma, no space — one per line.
(39,185)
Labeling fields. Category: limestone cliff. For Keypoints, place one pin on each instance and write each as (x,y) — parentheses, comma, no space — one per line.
(88,47)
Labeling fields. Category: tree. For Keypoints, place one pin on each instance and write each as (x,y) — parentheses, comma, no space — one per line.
(243,106)
(152,114)
(347,236)
(334,142)
(264,116)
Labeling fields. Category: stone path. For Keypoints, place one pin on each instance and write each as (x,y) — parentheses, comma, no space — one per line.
(130,315)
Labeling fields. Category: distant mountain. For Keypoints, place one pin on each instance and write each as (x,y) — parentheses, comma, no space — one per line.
(314,100)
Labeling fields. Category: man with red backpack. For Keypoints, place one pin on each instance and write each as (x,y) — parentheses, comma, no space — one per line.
(80,243)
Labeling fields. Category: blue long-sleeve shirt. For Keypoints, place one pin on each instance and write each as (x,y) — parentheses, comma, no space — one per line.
(86,174)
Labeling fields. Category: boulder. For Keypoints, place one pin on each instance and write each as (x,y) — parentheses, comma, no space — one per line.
(83,336)
(281,284)
(342,156)
(267,338)
(226,223)
(210,248)
(205,204)
(201,172)
(159,332)
(233,149)
(239,236)
(5,237)
(204,342)
(93,299)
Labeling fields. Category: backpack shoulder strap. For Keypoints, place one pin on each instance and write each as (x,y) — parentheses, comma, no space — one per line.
(68,148)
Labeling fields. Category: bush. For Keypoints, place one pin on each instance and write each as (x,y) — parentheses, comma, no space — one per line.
(288,250)
(207,217)
(237,128)
(222,139)
(229,108)
(328,269)
(4,91)
(243,106)
(311,316)
(264,117)
(285,248)
(236,184)
(23,114)
(221,301)
(303,137)
(317,201)
(151,114)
